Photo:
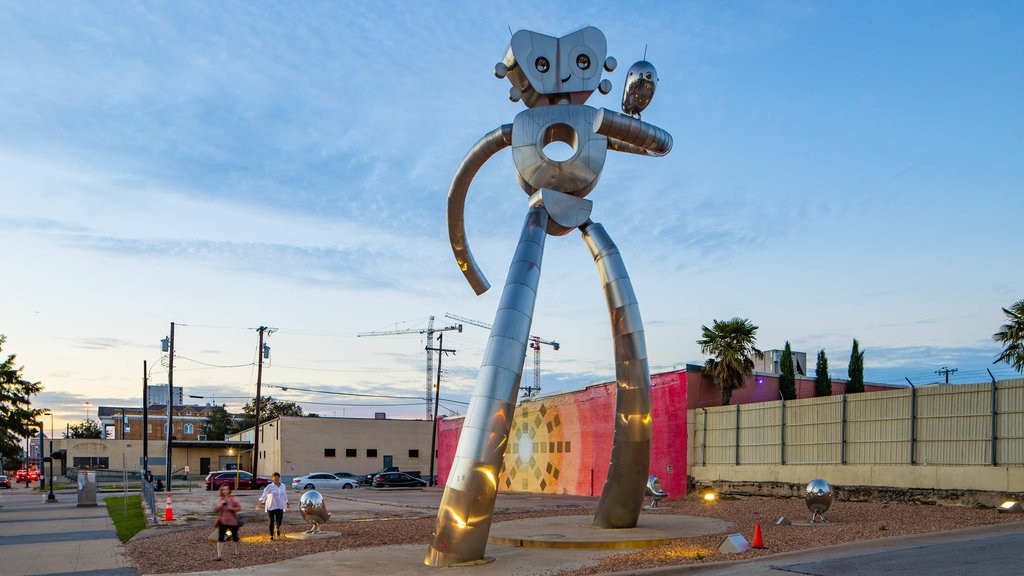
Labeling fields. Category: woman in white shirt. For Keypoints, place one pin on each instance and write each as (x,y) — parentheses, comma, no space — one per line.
(275,501)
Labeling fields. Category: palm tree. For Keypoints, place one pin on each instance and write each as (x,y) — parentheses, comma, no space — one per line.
(730,343)
(1012,336)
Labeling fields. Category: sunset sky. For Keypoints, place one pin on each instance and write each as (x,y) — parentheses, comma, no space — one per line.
(840,170)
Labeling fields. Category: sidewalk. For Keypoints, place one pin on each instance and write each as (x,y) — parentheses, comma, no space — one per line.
(59,539)
(42,538)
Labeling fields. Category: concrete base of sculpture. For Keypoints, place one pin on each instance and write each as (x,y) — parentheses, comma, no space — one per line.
(312,535)
(580,533)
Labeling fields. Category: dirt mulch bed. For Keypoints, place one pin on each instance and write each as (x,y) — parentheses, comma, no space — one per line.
(848,522)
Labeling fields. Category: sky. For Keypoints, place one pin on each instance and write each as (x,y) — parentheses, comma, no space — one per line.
(840,170)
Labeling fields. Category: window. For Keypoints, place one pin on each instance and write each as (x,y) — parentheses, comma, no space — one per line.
(165,427)
(149,428)
(328,452)
(351,452)
(371,452)
(189,428)
(414,453)
(90,462)
(127,426)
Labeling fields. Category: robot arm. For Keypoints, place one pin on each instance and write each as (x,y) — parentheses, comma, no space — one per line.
(482,151)
(628,134)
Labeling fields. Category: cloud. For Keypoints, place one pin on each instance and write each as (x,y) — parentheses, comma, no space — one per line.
(100,343)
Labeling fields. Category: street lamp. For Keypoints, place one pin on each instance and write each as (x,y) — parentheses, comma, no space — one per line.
(50,497)
(86,411)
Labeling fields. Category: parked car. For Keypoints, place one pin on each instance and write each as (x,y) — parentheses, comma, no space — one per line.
(357,477)
(214,480)
(5,482)
(368,479)
(323,481)
(397,480)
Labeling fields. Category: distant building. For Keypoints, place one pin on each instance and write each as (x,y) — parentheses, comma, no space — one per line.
(122,423)
(769,363)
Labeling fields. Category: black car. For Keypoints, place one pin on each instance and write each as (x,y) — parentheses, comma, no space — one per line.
(397,480)
(5,482)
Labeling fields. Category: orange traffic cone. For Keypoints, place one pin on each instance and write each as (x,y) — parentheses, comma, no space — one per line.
(169,514)
(758,540)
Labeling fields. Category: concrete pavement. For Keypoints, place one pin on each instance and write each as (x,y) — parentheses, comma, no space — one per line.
(993,550)
(54,539)
(57,538)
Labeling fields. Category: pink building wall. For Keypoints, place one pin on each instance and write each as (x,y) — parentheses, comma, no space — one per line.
(562,444)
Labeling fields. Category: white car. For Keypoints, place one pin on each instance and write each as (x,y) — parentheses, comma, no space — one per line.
(322,481)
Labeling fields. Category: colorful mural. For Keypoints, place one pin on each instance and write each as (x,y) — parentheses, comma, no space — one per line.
(561,444)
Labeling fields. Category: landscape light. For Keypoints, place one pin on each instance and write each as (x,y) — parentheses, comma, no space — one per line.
(1010,506)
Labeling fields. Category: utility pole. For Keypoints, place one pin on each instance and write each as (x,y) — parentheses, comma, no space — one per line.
(441,351)
(946,371)
(169,348)
(429,331)
(145,419)
(261,352)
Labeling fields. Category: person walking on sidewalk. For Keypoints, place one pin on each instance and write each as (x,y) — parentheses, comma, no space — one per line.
(275,501)
(227,509)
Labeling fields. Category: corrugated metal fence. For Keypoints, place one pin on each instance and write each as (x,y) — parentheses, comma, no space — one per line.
(968,425)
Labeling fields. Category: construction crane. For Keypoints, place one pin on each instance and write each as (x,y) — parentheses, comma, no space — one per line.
(429,331)
(535,342)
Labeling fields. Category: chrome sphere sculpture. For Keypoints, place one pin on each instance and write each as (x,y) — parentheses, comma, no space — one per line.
(654,491)
(314,510)
(819,499)
(553,77)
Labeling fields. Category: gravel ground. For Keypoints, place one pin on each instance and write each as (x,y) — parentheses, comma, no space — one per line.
(848,522)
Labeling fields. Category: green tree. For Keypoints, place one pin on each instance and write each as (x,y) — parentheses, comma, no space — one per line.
(87,429)
(1011,335)
(219,424)
(730,343)
(269,409)
(856,369)
(822,382)
(787,379)
(17,417)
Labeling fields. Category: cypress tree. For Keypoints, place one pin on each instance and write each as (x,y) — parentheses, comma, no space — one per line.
(787,379)
(822,382)
(856,370)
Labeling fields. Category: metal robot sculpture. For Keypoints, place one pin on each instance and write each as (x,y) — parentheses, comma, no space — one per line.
(314,510)
(554,77)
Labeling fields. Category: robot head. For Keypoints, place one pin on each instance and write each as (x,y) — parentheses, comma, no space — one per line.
(637,93)
(545,70)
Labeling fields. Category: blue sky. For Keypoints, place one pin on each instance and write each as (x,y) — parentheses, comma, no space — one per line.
(840,170)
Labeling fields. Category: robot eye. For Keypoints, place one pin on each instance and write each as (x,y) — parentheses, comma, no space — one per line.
(583,61)
(648,75)
(542,64)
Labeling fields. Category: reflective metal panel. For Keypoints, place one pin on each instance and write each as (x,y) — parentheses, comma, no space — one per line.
(818,498)
(314,510)
(464,518)
(623,493)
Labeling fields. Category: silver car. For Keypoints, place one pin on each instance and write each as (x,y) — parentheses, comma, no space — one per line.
(322,481)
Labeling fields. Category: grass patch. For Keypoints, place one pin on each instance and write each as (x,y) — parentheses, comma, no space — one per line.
(128,518)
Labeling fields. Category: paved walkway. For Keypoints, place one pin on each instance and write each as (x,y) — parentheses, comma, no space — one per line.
(42,538)
(55,539)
